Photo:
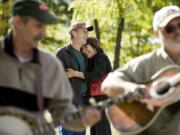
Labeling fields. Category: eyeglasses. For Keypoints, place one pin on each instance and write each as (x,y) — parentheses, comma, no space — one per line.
(172,28)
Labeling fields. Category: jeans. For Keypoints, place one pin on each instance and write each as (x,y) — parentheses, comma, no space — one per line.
(69,132)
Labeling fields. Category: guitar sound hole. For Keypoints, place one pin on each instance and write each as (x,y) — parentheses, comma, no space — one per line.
(164,90)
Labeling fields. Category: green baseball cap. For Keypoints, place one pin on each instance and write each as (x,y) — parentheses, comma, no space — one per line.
(35,9)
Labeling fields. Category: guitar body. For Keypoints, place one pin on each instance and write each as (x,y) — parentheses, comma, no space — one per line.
(136,116)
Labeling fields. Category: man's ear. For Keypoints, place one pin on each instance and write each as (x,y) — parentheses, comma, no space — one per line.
(72,34)
(17,20)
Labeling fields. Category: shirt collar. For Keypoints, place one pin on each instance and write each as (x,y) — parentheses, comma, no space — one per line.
(8,48)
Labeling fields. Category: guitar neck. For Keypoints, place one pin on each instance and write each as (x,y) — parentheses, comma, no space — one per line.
(131,96)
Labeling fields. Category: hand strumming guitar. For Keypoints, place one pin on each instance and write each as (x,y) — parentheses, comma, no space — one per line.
(113,86)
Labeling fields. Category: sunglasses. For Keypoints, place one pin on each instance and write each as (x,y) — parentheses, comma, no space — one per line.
(172,28)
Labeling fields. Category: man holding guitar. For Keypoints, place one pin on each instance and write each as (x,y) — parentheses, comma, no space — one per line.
(130,118)
(32,81)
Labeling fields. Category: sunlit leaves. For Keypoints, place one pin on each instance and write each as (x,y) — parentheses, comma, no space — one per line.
(5,13)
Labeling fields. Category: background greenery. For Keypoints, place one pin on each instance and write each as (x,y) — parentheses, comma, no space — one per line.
(137,37)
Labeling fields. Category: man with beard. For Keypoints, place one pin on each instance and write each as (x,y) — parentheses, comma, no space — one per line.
(32,80)
(166,24)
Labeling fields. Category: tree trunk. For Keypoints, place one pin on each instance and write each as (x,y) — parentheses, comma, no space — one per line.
(97,29)
(118,44)
(4,25)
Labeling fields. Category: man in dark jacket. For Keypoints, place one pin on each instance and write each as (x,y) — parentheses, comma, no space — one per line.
(72,58)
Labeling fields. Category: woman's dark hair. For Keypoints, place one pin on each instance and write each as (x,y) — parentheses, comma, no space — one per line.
(94,42)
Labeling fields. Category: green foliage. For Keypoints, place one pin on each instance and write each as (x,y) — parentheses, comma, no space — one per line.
(57,35)
(5,8)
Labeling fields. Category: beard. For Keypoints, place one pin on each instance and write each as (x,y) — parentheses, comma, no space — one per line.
(176,41)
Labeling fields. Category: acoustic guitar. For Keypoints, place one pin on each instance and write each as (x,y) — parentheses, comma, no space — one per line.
(145,106)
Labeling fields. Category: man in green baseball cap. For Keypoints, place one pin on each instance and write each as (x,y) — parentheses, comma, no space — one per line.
(32,80)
